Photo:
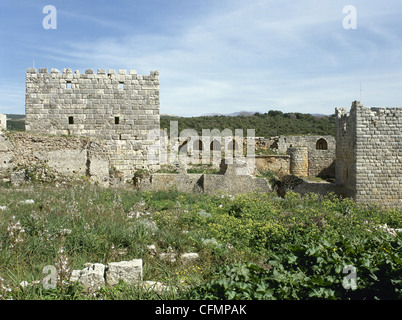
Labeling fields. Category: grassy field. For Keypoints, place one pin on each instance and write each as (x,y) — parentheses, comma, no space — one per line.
(252,246)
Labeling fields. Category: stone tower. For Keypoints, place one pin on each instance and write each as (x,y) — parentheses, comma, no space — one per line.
(118,108)
(369,154)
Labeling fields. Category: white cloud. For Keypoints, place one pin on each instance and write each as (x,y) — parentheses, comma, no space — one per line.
(294,56)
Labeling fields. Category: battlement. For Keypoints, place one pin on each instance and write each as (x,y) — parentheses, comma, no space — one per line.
(357,109)
(101,72)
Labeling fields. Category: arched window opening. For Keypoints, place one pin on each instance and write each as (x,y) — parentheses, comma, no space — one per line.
(215,145)
(198,146)
(322,144)
(233,145)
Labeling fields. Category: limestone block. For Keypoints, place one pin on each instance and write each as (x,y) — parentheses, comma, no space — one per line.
(67,162)
(99,170)
(92,277)
(189,257)
(127,271)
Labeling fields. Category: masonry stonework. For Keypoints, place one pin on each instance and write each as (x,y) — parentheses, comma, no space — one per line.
(321,152)
(369,154)
(298,161)
(118,107)
(3,121)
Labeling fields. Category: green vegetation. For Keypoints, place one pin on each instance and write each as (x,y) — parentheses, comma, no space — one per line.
(270,124)
(15,122)
(251,246)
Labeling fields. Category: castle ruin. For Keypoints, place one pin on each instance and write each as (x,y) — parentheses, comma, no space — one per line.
(94,124)
(118,108)
(368,154)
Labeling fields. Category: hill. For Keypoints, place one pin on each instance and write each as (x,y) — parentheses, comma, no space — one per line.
(272,123)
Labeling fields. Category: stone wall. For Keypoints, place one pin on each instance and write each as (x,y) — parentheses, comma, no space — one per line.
(120,108)
(233,179)
(6,155)
(321,152)
(61,155)
(279,164)
(369,156)
(3,121)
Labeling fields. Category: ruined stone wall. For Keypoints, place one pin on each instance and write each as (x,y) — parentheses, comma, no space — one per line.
(277,163)
(321,152)
(369,156)
(3,121)
(61,156)
(298,161)
(119,108)
(233,179)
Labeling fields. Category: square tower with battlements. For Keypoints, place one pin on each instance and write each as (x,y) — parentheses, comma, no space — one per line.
(369,154)
(121,108)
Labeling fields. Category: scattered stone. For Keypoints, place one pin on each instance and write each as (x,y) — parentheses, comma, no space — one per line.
(29,201)
(151,249)
(92,278)
(189,257)
(170,257)
(127,271)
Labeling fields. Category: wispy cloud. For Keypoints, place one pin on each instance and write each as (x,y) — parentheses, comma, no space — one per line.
(294,56)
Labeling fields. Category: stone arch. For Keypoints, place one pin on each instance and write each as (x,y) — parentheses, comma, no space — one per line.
(215,145)
(233,145)
(198,145)
(321,144)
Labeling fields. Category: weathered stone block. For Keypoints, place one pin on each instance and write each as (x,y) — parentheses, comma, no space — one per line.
(128,271)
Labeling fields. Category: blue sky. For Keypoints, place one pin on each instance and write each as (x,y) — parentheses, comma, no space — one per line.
(215,56)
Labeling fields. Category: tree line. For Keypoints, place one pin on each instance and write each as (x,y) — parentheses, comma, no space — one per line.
(270,124)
